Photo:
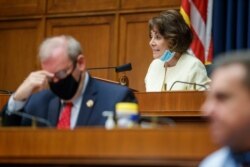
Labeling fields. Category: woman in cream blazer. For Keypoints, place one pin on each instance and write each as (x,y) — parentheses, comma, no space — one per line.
(173,66)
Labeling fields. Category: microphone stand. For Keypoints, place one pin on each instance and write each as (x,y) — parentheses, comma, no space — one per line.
(188,83)
(123,80)
(34,119)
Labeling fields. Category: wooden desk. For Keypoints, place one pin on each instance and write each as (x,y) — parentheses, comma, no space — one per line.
(171,104)
(167,146)
(181,106)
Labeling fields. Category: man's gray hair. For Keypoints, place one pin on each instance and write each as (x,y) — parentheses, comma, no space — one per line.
(237,57)
(72,46)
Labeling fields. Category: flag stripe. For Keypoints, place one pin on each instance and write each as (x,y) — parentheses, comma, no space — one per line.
(201,6)
(186,6)
(197,47)
(198,23)
(209,43)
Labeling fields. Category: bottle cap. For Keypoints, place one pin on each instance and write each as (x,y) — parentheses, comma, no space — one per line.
(126,107)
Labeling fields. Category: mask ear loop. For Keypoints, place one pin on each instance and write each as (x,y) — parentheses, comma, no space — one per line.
(74,63)
(74,67)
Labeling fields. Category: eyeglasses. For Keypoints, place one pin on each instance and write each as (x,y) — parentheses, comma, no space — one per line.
(63,73)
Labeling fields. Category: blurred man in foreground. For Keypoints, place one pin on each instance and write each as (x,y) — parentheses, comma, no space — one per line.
(63,93)
(228,107)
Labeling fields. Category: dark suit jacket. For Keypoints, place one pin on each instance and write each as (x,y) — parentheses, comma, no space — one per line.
(47,105)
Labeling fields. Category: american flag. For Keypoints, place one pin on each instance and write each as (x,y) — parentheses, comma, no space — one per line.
(198,15)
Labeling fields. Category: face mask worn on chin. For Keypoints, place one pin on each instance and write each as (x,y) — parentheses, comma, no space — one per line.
(167,56)
(65,88)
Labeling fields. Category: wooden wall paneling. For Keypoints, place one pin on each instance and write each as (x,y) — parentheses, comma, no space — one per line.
(68,6)
(3,100)
(134,46)
(18,51)
(22,7)
(96,34)
(109,34)
(149,4)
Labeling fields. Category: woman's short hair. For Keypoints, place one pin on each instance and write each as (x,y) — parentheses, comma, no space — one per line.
(171,25)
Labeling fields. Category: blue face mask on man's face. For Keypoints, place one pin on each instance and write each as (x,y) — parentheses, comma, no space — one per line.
(167,56)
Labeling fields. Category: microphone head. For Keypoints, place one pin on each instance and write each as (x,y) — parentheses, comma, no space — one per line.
(122,68)
(8,92)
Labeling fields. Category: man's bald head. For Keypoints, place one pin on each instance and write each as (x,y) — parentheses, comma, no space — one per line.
(71,46)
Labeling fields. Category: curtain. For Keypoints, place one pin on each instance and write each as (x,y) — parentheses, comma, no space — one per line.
(231,25)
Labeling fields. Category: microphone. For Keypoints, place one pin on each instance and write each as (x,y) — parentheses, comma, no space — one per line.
(34,119)
(8,92)
(121,68)
(156,120)
(188,83)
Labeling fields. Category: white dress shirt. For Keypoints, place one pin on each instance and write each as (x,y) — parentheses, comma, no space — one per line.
(14,105)
(220,158)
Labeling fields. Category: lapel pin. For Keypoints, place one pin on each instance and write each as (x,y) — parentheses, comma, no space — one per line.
(90,103)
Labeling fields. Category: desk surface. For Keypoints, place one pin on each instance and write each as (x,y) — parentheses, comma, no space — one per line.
(179,145)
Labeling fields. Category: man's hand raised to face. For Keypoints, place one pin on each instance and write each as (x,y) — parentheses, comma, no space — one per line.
(35,82)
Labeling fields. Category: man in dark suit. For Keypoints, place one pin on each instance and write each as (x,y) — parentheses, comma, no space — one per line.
(73,99)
